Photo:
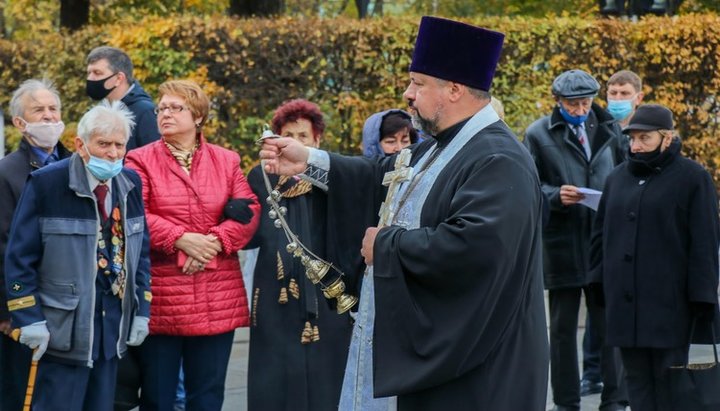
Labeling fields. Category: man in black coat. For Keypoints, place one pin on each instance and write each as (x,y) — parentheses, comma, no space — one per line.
(575,147)
(455,316)
(35,110)
(110,75)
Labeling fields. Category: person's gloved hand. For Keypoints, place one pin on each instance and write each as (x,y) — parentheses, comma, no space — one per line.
(36,336)
(238,209)
(138,331)
(703,311)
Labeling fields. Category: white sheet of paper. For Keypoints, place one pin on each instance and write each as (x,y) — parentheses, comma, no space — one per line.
(592,197)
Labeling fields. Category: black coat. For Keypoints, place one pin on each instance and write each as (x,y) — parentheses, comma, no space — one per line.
(459,302)
(14,170)
(560,160)
(283,373)
(655,250)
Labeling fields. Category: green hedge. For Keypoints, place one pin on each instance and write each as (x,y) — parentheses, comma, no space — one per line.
(353,68)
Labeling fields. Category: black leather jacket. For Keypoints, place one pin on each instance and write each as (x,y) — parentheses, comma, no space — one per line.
(560,160)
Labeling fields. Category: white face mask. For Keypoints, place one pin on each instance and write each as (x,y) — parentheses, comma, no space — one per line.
(44,135)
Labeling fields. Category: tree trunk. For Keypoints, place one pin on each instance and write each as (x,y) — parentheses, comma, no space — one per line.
(260,8)
(378,8)
(362,6)
(74,14)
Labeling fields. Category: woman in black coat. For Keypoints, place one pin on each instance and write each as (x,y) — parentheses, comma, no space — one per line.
(655,255)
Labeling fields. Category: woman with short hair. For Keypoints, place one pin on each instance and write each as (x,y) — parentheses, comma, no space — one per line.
(199,298)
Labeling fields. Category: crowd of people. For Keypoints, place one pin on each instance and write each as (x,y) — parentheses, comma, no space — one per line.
(121,284)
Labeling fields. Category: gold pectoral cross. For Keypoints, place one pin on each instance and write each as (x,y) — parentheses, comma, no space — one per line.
(393,180)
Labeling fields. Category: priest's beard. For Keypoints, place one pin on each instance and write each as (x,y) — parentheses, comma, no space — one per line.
(428,125)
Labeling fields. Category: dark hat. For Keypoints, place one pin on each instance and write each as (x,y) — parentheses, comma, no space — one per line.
(575,84)
(457,52)
(650,117)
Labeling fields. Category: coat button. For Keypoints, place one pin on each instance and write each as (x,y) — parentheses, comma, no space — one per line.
(628,297)
(628,257)
(631,216)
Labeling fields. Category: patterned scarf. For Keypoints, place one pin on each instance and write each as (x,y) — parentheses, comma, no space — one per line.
(183,157)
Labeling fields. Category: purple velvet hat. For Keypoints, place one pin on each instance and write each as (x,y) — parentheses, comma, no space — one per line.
(457,52)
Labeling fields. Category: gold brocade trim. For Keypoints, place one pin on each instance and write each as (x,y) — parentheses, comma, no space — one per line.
(299,188)
(283,299)
(307,334)
(280,267)
(294,289)
(316,334)
(20,303)
(256,297)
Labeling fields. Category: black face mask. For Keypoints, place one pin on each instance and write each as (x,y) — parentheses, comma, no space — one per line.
(647,156)
(96,90)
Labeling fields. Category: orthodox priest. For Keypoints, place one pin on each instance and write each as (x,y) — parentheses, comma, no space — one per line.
(459,319)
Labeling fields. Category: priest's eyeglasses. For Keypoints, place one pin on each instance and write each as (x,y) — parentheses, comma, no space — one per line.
(174,108)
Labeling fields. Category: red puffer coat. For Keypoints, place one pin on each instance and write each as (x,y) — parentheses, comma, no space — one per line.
(212,301)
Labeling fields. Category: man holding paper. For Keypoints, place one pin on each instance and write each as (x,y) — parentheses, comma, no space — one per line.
(574,148)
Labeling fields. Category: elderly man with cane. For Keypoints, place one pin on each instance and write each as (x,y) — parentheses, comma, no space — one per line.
(77,266)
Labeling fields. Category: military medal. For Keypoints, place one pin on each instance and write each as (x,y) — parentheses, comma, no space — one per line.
(102,262)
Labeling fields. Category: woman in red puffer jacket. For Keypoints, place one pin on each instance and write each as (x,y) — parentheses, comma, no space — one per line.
(198,292)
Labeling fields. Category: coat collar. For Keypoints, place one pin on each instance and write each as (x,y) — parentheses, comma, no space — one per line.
(34,162)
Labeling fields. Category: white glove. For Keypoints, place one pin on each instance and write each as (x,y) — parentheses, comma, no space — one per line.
(138,331)
(35,336)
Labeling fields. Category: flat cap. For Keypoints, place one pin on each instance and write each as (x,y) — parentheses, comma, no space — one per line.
(575,84)
(650,117)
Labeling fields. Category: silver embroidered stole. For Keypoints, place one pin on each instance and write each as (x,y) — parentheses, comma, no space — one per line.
(357,389)
(411,203)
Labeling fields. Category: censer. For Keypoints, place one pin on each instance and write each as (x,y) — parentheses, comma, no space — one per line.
(316,269)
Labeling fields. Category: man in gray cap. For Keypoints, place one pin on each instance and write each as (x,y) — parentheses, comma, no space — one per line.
(451,312)
(575,147)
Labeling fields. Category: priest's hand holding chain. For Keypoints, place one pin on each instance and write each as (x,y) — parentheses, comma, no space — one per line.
(284,156)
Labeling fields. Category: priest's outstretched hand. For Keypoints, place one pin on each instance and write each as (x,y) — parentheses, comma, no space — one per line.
(284,156)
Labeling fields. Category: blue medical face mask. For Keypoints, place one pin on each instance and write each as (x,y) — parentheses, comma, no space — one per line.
(574,120)
(103,169)
(620,109)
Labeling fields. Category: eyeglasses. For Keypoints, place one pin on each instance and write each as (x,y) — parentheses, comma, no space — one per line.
(173,109)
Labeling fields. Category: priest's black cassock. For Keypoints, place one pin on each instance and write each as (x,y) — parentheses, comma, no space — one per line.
(460,319)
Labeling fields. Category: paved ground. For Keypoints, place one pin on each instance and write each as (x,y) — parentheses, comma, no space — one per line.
(236,386)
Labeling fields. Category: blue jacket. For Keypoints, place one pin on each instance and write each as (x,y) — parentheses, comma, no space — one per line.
(51,258)
(146,128)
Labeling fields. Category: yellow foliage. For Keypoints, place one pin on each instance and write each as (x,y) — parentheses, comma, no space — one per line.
(354,68)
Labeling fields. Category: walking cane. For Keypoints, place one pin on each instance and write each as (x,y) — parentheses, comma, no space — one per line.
(15,335)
